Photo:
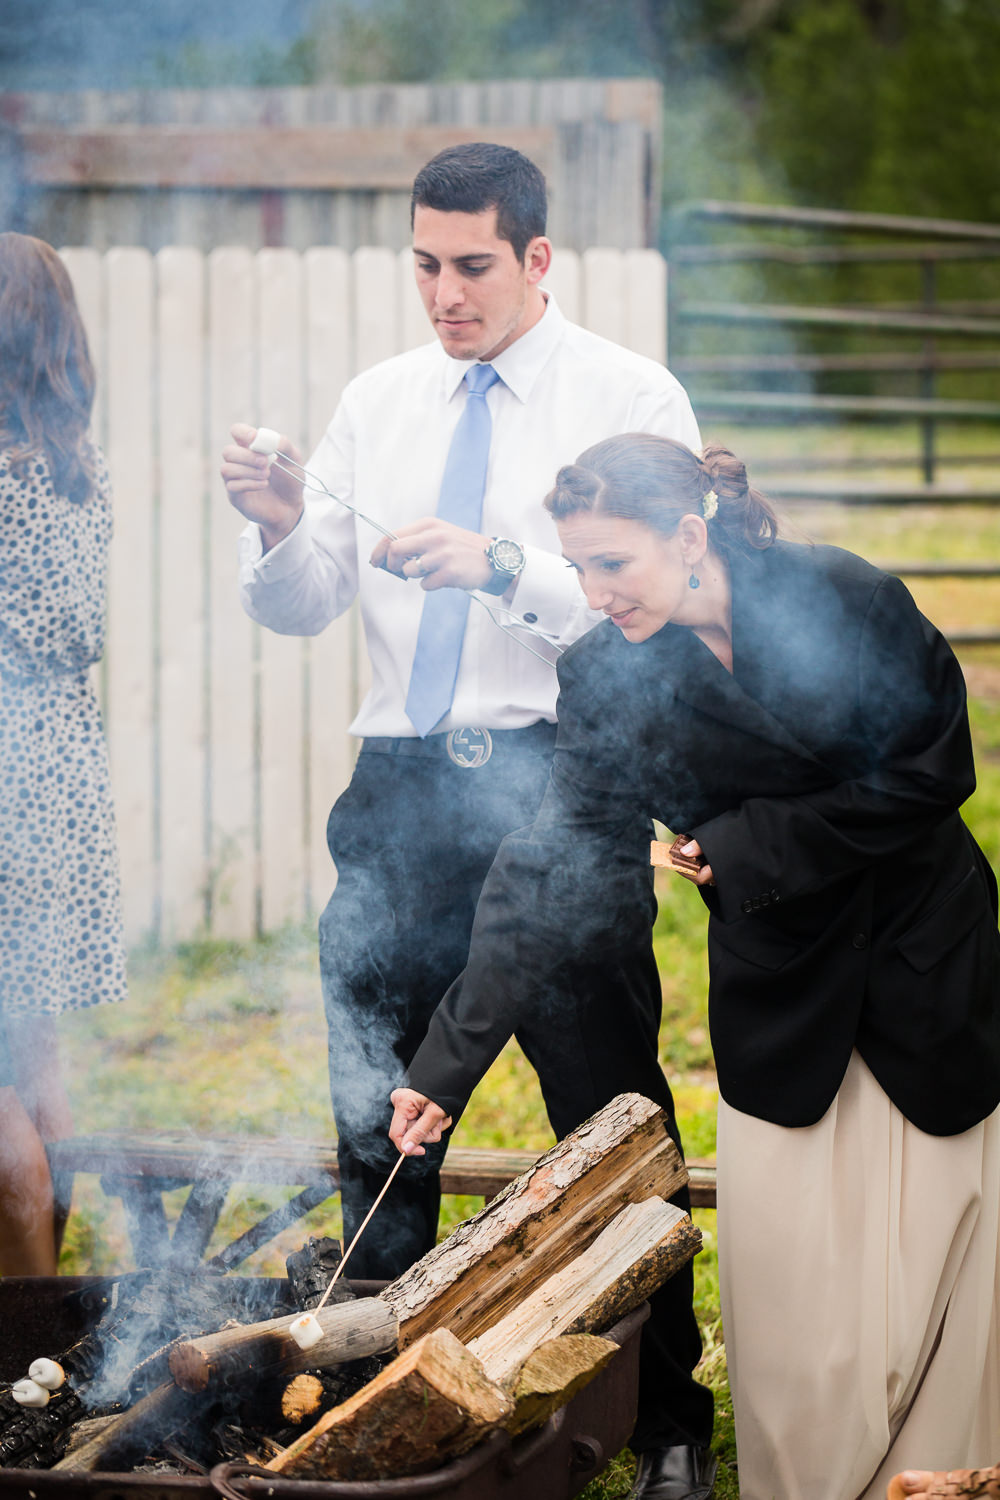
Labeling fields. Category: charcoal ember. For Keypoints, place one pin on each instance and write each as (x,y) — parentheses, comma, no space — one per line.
(310,1271)
(35,1437)
(238,1444)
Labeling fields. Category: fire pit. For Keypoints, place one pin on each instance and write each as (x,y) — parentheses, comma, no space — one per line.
(43,1316)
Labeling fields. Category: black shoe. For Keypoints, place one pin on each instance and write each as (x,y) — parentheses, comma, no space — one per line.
(681,1473)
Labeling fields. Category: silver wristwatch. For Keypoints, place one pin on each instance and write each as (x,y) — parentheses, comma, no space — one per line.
(506,558)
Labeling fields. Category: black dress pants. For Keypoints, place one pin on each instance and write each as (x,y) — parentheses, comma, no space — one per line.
(413,838)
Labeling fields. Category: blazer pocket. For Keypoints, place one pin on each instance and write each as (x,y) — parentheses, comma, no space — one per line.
(938,931)
(754,942)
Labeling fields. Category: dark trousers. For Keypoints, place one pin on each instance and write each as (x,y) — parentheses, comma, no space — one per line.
(413,838)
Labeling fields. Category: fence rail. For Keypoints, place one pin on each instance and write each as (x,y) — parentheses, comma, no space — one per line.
(865,240)
(228,743)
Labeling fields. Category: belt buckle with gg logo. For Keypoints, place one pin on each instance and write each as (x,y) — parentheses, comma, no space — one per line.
(469,748)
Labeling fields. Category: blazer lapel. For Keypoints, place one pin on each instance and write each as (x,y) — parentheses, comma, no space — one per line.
(699,679)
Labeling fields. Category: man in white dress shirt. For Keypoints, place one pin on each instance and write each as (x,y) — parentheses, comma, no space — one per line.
(416,831)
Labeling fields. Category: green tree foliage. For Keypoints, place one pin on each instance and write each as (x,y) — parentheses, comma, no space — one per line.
(939,142)
(889,105)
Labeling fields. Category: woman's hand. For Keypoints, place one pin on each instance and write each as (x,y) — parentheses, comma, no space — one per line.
(702,876)
(415,1119)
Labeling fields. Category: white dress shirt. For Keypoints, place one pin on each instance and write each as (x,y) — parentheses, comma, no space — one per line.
(560,390)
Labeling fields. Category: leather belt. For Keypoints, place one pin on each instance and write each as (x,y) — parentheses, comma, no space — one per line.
(468,748)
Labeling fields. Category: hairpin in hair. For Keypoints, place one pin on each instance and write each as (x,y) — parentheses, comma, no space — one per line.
(709,505)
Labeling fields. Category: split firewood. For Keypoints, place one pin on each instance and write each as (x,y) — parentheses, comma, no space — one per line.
(637,1253)
(552,1374)
(351,1330)
(539,1223)
(430,1405)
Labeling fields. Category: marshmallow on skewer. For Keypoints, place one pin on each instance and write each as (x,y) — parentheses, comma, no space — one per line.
(47,1373)
(306,1330)
(29,1393)
(266,441)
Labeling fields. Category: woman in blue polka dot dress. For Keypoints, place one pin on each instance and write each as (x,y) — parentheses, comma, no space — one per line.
(60,908)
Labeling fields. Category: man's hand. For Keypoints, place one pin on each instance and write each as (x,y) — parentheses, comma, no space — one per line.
(439,554)
(415,1119)
(259,491)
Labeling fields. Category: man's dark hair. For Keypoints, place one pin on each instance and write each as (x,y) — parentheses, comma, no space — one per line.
(472,178)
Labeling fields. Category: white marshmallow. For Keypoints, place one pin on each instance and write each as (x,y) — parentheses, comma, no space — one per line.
(266,441)
(306,1330)
(29,1393)
(46,1372)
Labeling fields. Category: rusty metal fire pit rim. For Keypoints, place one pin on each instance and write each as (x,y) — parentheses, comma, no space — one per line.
(263,1482)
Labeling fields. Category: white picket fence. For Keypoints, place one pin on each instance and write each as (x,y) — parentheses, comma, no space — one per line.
(229,744)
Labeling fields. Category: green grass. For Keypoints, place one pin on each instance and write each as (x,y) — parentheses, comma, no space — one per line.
(227,1038)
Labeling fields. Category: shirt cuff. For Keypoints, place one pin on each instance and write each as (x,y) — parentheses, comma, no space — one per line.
(546,591)
(285,558)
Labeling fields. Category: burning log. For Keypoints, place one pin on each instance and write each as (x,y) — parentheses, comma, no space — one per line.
(351,1331)
(429,1405)
(126,1437)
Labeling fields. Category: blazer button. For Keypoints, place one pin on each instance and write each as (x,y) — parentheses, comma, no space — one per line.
(746,906)
(531,618)
(859,940)
(765,899)
(775,896)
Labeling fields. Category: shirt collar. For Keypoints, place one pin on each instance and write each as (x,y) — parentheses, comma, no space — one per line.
(521,363)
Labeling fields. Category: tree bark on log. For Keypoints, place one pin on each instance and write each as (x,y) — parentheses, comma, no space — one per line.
(490,1263)
(431,1404)
(553,1373)
(637,1253)
(351,1330)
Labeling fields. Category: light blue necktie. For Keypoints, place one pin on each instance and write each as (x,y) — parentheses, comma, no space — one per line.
(442,621)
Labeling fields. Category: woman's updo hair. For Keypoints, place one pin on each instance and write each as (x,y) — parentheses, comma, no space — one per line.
(656,480)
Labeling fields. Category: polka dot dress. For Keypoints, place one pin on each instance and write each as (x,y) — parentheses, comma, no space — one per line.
(60,901)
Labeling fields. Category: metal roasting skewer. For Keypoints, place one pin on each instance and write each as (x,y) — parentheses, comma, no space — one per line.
(299,472)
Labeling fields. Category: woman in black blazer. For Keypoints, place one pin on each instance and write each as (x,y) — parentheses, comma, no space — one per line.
(789,709)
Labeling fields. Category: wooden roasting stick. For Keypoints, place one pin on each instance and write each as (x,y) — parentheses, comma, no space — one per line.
(320,1341)
(489,1264)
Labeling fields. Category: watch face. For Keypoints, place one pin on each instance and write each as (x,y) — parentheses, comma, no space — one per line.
(507,555)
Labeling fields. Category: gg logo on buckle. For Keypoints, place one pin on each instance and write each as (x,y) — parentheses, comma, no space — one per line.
(469,748)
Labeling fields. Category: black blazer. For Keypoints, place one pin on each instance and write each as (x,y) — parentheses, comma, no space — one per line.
(823,778)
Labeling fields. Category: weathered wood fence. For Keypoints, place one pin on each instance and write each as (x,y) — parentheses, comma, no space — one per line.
(318,165)
(229,744)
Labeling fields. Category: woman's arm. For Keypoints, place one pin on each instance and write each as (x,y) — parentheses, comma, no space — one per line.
(921,769)
(575,883)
